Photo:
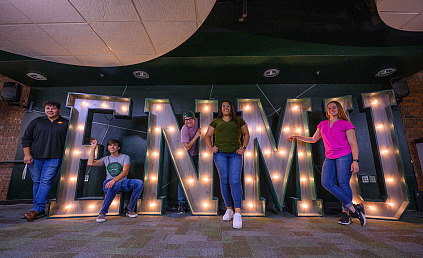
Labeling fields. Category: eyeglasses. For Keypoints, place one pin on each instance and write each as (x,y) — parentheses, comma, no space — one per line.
(188,119)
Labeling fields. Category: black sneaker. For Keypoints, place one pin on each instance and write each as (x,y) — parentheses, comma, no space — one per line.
(345,219)
(357,206)
(181,208)
(359,213)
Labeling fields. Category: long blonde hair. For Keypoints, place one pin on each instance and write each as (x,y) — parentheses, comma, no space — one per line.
(341,113)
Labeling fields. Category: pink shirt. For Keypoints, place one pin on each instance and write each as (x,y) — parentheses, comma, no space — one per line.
(335,138)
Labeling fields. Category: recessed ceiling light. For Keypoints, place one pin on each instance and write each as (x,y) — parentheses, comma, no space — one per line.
(385,72)
(271,73)
(36,76)
(141,74)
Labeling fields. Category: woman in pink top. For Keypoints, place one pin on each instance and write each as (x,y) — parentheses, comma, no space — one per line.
(341,161)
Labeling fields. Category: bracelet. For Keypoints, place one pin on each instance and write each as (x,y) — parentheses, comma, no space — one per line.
(356,160)
(244,147)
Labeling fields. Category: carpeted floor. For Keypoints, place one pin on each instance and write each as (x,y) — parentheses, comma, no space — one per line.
(175,235)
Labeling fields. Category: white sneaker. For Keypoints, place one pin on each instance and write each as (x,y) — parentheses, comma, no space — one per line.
(237,223)
(229,214)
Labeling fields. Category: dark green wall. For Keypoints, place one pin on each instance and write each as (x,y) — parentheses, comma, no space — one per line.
(133,135)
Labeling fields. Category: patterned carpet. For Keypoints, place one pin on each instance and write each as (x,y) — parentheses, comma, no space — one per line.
(176,235)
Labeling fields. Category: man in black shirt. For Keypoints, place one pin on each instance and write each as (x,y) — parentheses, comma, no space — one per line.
(43,143)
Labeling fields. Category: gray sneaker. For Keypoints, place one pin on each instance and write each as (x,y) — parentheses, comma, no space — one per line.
(131,214)
(101,218)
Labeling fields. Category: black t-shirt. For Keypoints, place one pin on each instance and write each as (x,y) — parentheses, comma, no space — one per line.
(46,138)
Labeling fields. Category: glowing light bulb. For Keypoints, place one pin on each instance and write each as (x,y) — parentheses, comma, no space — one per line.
(247,107)
(104,104)
(374,102)
(206,108)
(73,179)
(305,206)
(303,179)
(258,129)
(180,153)
(379,126)
(158,107)
(249,179)
(157,129)
(300,154)
(155,154)
(373,208)
(171,129)
(248,153)
(114,203)
(296,107)
(286,129)
(267,152)
(298,130)
(84,103)
(275,176)
(281,152)
(91,207)
(153,178)
(152,204)
(251,205)
(68,207)
(206,155)
(205,179)
(385,152)
(391,204)
(80,127)
(205,205)
(76,152)
(191,181)
(390,180)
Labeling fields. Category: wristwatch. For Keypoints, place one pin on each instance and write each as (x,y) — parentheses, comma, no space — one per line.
(244,147)
(356,160)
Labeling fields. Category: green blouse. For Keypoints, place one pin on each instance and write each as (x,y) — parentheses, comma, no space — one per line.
(227,134)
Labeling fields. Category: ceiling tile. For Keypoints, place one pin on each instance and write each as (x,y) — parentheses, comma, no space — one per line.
(99,61)
(9,47)
(78,39)
(125,38)
(204,7)
(32,39)
(47,11)
(400,6)
(416,24)
(106,10)
(10,14)
(166,10)
(60,59)
(135,59)
(161,32)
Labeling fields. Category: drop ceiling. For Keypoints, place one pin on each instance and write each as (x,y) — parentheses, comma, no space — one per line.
(320,41)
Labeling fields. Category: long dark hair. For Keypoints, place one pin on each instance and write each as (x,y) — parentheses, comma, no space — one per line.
(232,114)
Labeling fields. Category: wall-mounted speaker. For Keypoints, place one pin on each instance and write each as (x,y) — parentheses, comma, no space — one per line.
(400,87)
(11,92)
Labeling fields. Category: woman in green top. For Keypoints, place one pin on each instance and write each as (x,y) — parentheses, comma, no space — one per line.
(227,154)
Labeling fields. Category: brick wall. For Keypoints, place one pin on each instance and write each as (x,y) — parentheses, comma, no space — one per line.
(11,119)
(412,117)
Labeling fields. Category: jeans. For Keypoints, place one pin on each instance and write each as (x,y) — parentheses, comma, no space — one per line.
(43,172)
(338,169)
(126,185)
(181,194)
(229,166)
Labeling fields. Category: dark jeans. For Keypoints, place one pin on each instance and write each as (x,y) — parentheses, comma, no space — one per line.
(340,170)
(126,185)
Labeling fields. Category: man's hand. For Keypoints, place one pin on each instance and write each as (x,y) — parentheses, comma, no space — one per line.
(28,159)
(110,183)
(93,143)
(198,133)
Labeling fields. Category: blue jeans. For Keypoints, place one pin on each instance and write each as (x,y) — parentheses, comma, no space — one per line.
(229,166)
(181,194)
(338,169)
(43,172)
(126,185)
